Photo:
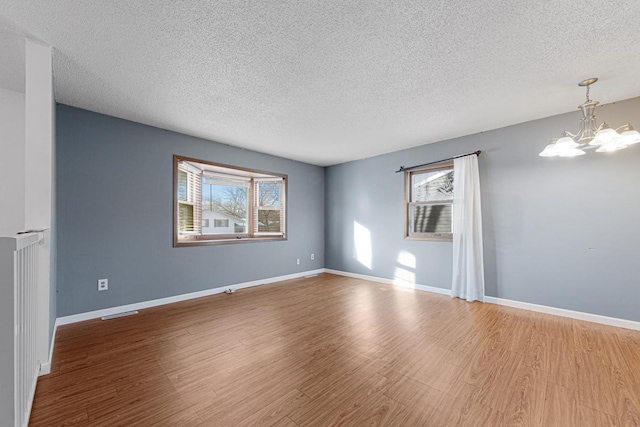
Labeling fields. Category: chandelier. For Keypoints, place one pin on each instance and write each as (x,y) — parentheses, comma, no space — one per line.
(603,138)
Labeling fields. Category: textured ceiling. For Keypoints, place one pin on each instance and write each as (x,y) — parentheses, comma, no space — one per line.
(330,81)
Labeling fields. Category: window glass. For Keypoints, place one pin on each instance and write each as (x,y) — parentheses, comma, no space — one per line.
(269,206)
(226,204)
(432,186)
(186,217)
(431,219)
(429,202)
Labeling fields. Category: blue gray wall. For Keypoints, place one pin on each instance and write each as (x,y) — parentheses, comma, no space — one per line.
(114,216)
(557,232)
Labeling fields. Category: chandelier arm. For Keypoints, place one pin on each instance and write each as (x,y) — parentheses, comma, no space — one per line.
(571,135)
(624,127)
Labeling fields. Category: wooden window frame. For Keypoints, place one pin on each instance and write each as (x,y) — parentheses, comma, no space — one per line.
(234,238)
(408,188)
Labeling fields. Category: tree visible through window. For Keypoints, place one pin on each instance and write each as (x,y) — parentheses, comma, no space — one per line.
(268,206)
(219,203)
(429,207)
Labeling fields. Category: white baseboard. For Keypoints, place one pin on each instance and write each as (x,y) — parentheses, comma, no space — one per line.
(579,315)
(177,298)
(394,282)
(595,318)
(45,368)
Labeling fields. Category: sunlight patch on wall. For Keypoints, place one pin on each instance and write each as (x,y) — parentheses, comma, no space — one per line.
(407,259)
(404,278)
(362,243)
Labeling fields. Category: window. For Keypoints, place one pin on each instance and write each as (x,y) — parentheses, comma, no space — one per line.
(268,203)
(217,203)
(429,202)
(221,223)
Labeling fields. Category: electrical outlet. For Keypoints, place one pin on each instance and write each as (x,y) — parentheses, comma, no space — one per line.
(103,284)
(313,256)
(298,261)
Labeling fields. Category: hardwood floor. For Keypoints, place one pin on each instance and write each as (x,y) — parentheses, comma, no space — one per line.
(332,350)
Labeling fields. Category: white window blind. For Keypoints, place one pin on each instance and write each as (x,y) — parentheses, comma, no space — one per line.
(189,199)
(223,177)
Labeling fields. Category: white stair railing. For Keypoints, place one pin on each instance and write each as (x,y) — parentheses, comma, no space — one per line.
(19,364)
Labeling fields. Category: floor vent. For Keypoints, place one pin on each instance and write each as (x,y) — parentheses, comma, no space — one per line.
(115,316)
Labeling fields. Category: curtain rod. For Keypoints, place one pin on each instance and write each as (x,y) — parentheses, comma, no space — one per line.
(402,168)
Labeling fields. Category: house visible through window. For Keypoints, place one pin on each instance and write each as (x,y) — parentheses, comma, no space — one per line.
(217,203)
(429,202)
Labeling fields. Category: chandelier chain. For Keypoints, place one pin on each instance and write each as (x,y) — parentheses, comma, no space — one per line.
(588,87)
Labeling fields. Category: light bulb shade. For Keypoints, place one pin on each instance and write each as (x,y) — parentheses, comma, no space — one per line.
(615,145)
(604,136)
(566,142)
(630,137)
(549,151)
(572,152)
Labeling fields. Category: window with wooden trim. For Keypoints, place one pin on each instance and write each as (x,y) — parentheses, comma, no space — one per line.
(220,223)
(217,203)
(429,202)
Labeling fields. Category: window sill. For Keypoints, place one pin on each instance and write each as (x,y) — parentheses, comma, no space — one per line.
(446,238)
(187,243)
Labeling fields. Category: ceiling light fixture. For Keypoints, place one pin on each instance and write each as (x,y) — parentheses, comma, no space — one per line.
(589,135)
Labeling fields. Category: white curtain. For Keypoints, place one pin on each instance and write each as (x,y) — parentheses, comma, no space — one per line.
(468,268)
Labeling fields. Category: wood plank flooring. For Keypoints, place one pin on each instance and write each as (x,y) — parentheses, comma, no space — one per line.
(332,350)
